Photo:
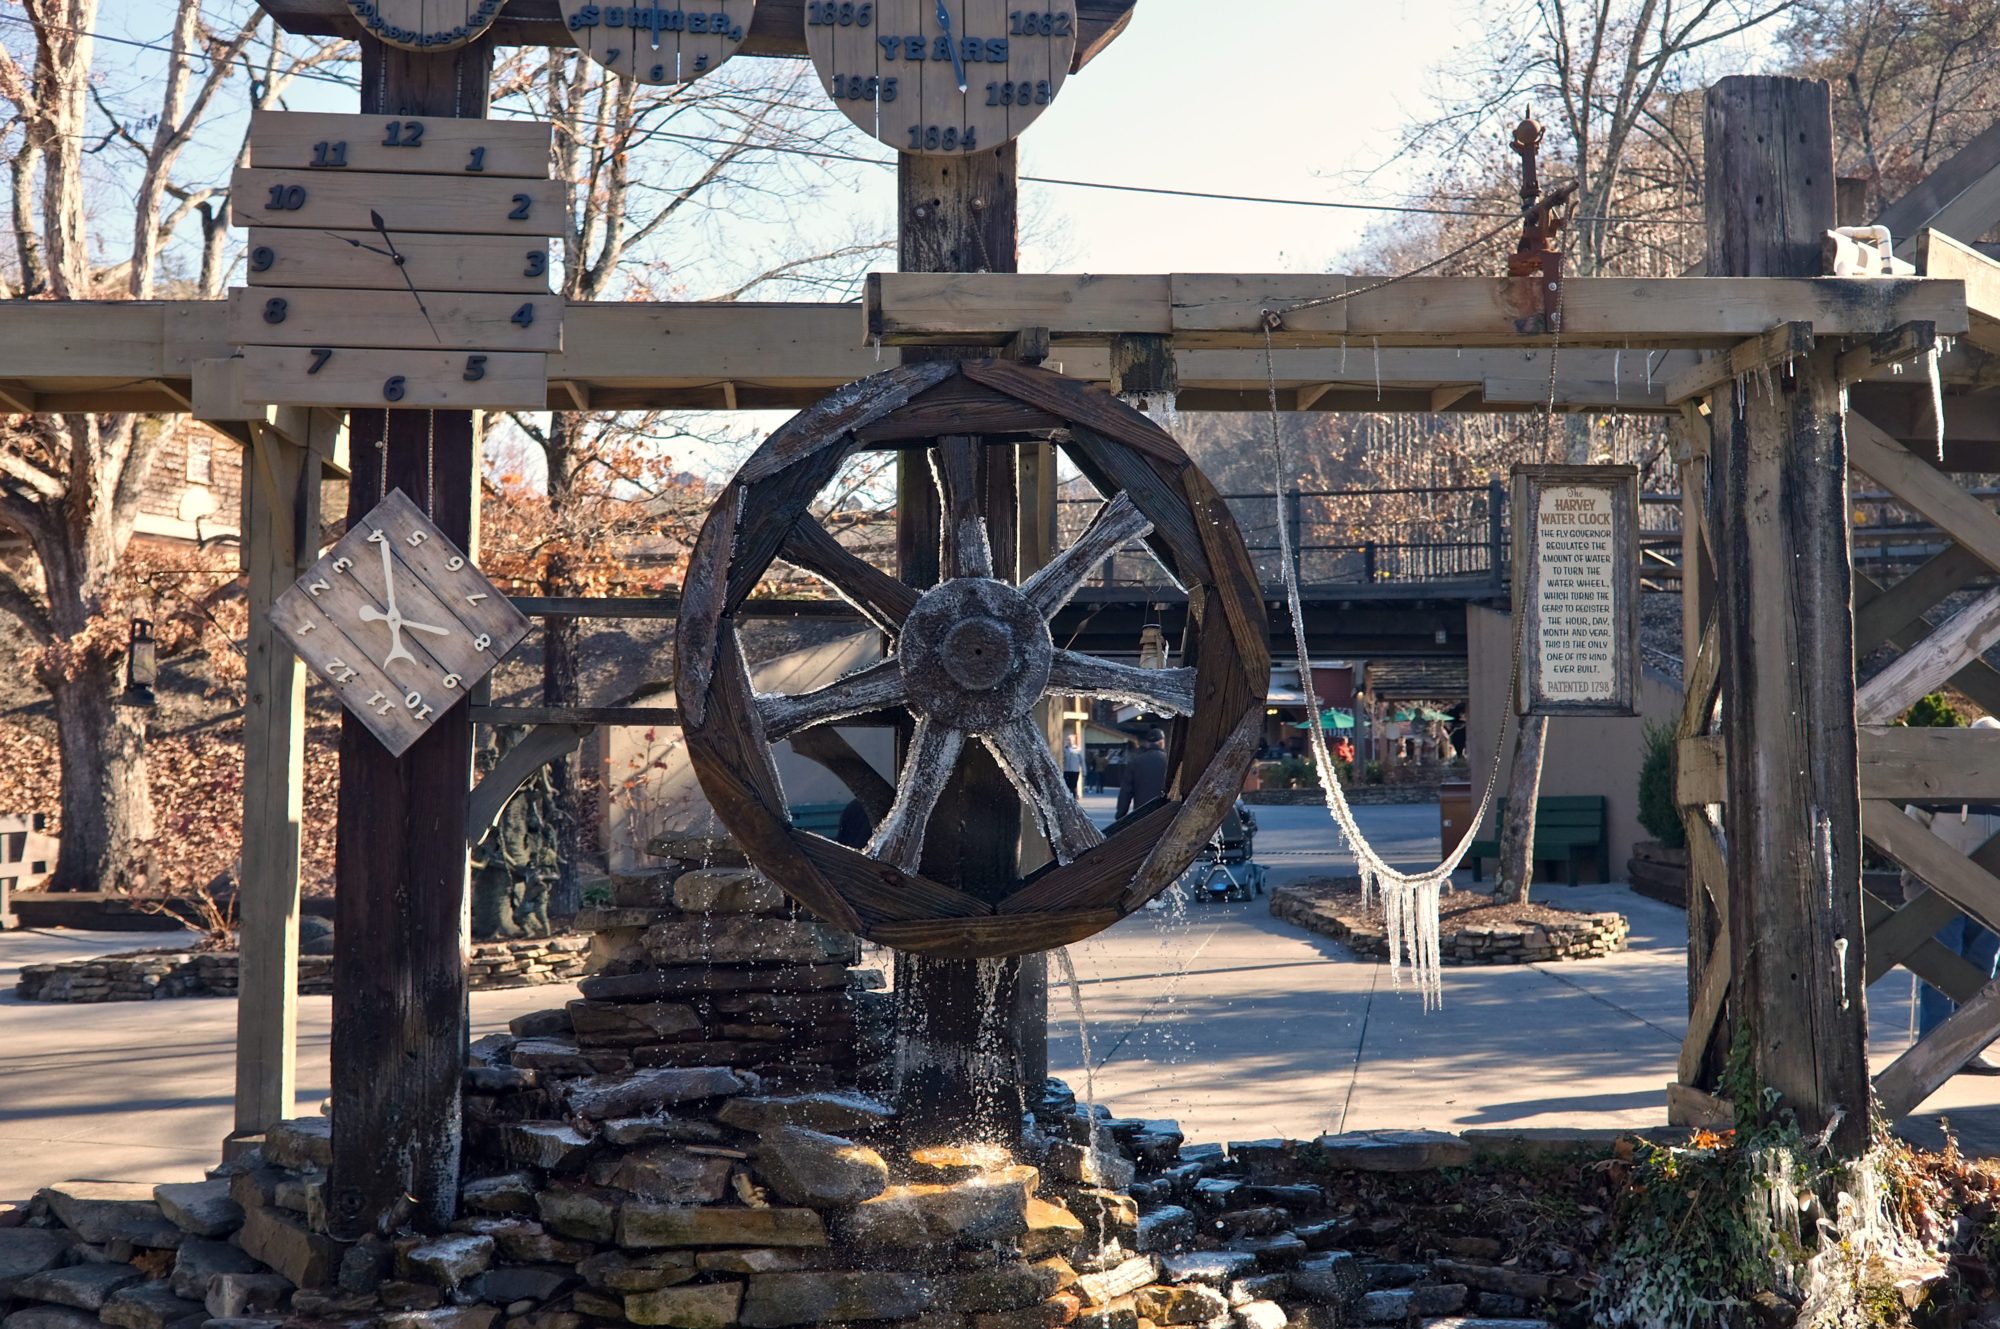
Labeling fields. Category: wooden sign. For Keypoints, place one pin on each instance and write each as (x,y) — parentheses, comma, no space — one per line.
(942,77)
(659,41)
(426,25)
(398,622)
(1576,585)
(397,262)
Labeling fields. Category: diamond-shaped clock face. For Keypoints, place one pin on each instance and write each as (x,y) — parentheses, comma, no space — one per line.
(398,622)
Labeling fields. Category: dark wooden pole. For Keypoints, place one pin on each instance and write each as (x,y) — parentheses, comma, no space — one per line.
(973,1037)
(1778,494)
(400,1021)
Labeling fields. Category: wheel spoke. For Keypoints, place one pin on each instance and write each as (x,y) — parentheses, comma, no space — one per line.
(864,690)
(1116,523)
(967,551)
(1170,691)
(1023,752)
(885,601)
(933,755)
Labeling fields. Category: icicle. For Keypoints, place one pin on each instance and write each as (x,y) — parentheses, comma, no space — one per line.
(1343,355)
(1617,357)
(878,348)
(1937,396)
(1840,963)
(1649,372)
(1377,343)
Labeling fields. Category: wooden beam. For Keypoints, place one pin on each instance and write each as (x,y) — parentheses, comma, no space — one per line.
(16,398)
(1444,398)
(1780,345)
(1920,1072)
(1938,255)
(1928,202)
(1907,935)
(1897,764)
(906,309)
(281,521)
(1932,661)
(1978,680)
(1932,493)
(1778,482)
(777,28)
(1932,861)
(1911,342)
(1880,614)
(1709,869)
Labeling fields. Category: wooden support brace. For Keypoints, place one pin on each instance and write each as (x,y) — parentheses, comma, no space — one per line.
(1709,872)
(1978,680)
(16,398)
(577,392)
(1907,1081)
(540,746)
(1932,861)
(1451,394)
(1931,662)
(1908,936)
(1781,345)
(1881,614)
(1932,493)
(1030,346)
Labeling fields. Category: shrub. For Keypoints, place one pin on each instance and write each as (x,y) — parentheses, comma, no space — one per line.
(1934,711)
(1657,812)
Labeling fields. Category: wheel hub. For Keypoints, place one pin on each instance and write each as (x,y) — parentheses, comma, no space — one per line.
(975,654)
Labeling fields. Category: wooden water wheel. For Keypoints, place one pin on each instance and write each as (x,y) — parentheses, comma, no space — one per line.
(972,656)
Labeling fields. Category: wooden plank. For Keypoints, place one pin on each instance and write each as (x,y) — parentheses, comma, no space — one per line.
(1908,936)
(331,141)
(1918,209)
(347,259)
(1698,1110)
(1931,860)
(1205,303)
(1708,874)
(1920,1072)
(384,318)
(1938,255)
(1701,771)
(342,201)
(1880,615)
(1931,662)
(1930,765)
(1978,680)
(1935,495)
(284,375)
(1778,483)
(545,743)
(1694,312)
(1910,343)
(961,939)
(1779,345)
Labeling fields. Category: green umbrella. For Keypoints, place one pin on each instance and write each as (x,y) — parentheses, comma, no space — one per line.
(1330,719)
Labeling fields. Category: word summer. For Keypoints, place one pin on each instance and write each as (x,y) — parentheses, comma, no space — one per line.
(652,18)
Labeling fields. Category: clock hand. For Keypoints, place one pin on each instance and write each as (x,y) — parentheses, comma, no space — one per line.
(373,249)
(376,217)
(951,41)
(389,580)
(415,626)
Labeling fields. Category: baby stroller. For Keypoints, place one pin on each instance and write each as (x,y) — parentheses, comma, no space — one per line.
(1230,875)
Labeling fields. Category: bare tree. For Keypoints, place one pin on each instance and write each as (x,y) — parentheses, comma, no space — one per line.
(648,169)
(70,485)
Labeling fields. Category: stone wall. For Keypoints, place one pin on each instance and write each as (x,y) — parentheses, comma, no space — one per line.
(1579,937)
(144,976)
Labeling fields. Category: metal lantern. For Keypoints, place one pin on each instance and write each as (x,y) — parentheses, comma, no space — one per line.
(142,666)
(1153,642)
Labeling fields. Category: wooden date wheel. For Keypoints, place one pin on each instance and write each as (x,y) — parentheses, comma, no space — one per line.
(972,657)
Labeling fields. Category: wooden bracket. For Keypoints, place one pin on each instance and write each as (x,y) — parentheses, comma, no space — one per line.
(1908,342)
(1782,344)
(16,398)
(579,393)
(1031,346)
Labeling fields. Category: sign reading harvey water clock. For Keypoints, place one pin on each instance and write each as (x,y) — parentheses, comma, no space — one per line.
(397,262)
(398,622)
(942,77)
(1576,531)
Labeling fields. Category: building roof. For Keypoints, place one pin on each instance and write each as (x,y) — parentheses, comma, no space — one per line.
(1417,680)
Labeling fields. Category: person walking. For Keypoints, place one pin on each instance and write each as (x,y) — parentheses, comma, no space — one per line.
(1145,775)
(1964,829)
(1073,764)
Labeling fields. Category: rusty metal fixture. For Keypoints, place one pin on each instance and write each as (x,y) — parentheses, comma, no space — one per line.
(1535,294)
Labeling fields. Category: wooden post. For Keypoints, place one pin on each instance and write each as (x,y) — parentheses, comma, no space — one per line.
(972,1036)
(400,1020)
(1778,495)
(281,522)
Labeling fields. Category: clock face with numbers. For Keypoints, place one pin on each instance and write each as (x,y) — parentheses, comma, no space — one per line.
(942,77)
(659,41)
(425,25)
(398,622)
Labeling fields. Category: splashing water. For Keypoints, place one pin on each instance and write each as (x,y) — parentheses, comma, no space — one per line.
(1067,966)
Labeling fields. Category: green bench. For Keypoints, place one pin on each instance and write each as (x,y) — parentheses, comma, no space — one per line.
(1566,829)
(818,818)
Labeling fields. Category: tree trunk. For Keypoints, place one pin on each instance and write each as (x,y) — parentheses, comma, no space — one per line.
(107,805)
(561,642)
(1517,833)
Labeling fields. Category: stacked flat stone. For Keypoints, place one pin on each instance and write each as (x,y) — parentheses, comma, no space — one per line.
(1580,937)
(714,967)
(519,962)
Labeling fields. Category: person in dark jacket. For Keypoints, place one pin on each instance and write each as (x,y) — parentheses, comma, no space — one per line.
(1145,776)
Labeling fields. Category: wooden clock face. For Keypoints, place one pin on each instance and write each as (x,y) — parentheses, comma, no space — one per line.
(659,41)
(425,25)
(942,77)
(398,622)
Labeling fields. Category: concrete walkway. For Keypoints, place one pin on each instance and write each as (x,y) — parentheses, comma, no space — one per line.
(1240,1026)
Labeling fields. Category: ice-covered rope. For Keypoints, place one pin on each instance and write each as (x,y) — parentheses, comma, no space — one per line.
(1409,900)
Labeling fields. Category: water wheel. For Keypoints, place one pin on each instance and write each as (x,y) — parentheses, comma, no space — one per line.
(971,657)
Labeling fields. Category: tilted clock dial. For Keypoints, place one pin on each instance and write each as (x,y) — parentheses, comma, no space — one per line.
(942,77)
(398,622)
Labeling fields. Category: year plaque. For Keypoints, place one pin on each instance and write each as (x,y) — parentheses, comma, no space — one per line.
(1576,561)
